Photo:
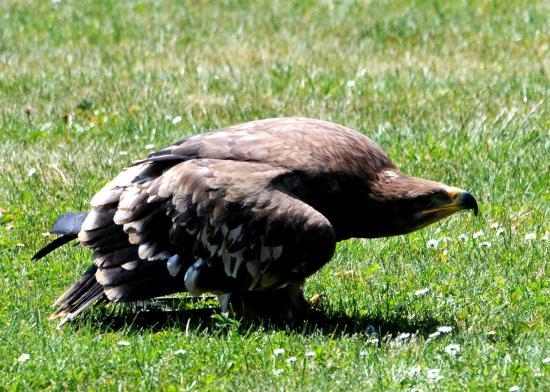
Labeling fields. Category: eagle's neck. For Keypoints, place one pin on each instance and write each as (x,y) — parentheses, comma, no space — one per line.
(341,199)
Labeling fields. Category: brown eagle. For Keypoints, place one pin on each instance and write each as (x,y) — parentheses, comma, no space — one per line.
(247,213)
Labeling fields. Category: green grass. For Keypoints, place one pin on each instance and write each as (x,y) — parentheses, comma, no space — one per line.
(453,91)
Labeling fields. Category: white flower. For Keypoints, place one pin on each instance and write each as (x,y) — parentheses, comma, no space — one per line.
(278,351)
(546,360)
(310,354)
(432,244)
(530,236)
(403,336)
(123,343)
(434,375)
(414,371)
(46,126)
(463,237)
(444,239)
(350,83)
(434,335)
(372,340)
(500,231)
(23,358)
(31,172)
(478,234)
(445,329)
(515,388)
(291,360)
(176,120)
(422,291)
(123,153)
(485,244)
(452,349)
(494,225)
(277,372)
(180,352)
(149,146)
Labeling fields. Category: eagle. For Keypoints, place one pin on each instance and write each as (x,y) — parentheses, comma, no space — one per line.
(246,213)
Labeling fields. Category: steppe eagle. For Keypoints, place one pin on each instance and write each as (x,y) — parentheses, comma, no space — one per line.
(246,212)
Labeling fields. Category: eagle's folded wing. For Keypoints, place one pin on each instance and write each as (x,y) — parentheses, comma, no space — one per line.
(201,225)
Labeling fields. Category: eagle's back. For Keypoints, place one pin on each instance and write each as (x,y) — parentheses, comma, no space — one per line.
(294,143)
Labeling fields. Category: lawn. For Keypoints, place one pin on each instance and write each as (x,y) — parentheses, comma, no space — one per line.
(453,91)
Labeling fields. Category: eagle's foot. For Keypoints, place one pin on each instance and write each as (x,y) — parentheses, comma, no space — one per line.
(283,304)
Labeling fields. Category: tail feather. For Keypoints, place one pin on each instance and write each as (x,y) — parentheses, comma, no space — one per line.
(68,226)
(59,241)
(78,285)
(79,296)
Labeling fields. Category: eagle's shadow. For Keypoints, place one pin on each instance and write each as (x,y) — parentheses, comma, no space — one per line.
(210,320)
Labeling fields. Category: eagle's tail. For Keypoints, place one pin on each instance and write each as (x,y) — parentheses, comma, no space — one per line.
(68,226)
(83,293)
(86,290)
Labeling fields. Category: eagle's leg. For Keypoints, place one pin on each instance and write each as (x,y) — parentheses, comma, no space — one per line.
(282,304)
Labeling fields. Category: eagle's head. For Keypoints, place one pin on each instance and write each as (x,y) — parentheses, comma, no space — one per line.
(400,203)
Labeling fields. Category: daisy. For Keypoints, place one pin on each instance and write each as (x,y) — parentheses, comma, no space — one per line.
(414,371)
(434,375)
(530,236)
(403,336)
(452,349)
(432,244)
(23,358)
(422,291)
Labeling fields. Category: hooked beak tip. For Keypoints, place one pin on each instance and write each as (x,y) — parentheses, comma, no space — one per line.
(469,202)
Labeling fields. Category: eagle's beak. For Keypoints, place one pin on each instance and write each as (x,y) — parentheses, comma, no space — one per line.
(459,200)
(462,199)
